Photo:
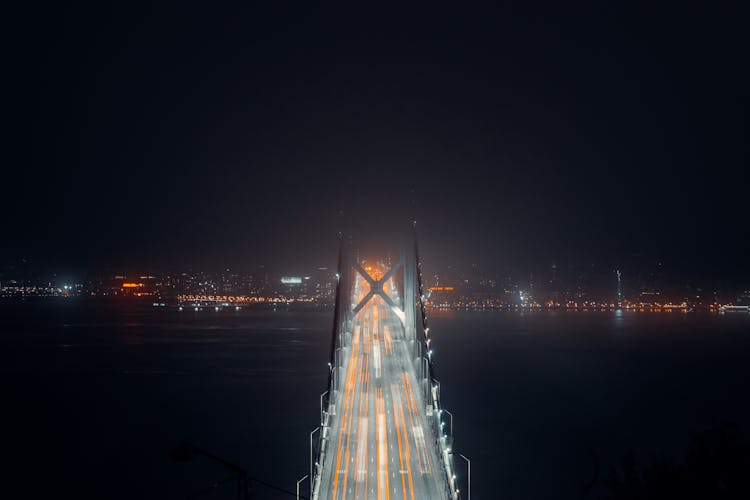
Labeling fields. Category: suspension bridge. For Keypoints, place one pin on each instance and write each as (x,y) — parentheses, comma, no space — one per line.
(383,433)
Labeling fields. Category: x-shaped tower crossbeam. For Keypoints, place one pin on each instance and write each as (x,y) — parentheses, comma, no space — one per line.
(376,286)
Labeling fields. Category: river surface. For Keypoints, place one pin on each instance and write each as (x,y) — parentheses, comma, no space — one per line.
(95,395)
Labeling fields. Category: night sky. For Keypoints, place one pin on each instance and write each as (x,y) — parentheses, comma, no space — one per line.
(192,135)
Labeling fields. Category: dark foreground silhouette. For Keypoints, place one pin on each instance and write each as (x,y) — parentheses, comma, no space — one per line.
(717,466)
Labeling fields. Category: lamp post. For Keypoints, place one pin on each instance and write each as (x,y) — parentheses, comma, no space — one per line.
(451,415)
(311,457)
(468,462)
(299,481)
(321,407)
(185,452)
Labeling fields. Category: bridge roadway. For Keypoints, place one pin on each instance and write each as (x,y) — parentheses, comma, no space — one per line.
(380,444)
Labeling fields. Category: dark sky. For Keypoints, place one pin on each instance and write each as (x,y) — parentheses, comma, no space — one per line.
(194,135)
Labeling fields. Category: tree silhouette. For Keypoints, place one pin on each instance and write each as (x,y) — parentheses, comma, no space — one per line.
(717,466)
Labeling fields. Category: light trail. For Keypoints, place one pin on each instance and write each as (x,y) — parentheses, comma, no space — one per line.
(400,443)
(381,439)
(408,455)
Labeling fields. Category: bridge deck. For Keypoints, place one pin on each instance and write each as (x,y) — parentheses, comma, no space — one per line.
(380,443)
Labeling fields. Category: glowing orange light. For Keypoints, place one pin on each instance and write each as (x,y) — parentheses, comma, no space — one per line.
(132,285)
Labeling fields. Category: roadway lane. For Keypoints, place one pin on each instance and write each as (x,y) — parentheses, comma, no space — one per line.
(380,446)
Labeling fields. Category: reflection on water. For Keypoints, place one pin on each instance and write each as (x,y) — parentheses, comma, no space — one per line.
(618,319)
(536,396)
(102,392)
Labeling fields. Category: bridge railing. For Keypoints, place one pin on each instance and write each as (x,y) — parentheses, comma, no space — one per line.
(443,441)
(318,447)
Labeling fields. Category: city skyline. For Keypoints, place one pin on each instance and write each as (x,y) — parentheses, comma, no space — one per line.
(557,284)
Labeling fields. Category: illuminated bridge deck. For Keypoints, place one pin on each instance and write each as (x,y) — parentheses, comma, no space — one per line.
(379,441)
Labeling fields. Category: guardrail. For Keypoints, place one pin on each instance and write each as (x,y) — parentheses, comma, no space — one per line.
(432,386)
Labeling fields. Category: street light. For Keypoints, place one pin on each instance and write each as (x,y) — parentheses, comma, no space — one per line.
(451,414)
(321,406)
(185,452)
(311,457)
(468,462)
(299,481)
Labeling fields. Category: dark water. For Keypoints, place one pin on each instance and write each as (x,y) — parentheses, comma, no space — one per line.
(95,395)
